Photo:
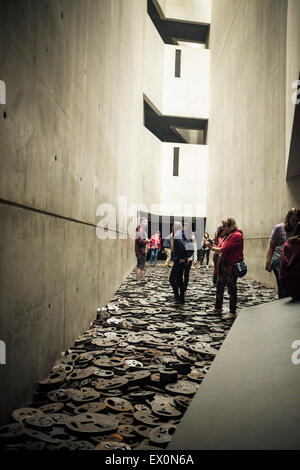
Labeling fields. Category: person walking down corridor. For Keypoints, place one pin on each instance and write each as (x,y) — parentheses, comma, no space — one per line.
(289,265)
(217,242)
(141,241)
(230,252)
(179,258)
(189,242)
(167,249)
(155,247)
(281,232)
(205,250)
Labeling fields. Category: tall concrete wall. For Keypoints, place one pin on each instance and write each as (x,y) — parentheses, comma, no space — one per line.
(73,138)
(188,190)
(187,95)
(247,127)
(292,75)
(198,11)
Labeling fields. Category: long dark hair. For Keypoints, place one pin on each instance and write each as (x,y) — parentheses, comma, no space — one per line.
(287,224)
(220,231)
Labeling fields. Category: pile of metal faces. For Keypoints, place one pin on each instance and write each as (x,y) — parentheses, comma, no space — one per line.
(128,380)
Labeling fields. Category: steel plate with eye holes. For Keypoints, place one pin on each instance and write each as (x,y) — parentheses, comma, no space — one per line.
(22,413)
(42,423)
(147,445)
(105,342)
(164,409)
(138,377)
(11,431)
(202,348)
(68,359)
(59,419)
(196,376)
(110,384)
(67,368)
(127,431)
(143,430)
(182,402)
(92,423)
(182,387)
(65,446)
(124,418)
(146,418)
(141,396)
(61,395)
(92,407)
(162,434)
(41,436)
(108,363)
(118,404)
(85,394)
(184,356)
(53,381)
(80,374)
(111,446)
(51,408)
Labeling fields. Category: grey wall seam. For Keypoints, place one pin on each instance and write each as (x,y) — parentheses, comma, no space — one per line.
(58,216)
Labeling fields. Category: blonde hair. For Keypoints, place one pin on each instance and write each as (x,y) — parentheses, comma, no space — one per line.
(230,222)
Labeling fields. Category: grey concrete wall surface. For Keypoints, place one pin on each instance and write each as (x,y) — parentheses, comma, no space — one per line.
(73,138)
(247,127)
(292,75)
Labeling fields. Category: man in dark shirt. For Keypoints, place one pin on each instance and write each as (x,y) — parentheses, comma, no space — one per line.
(167,249)
(141,241)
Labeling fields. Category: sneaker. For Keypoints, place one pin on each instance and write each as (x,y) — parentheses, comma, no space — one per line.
(228,316)
(215,311)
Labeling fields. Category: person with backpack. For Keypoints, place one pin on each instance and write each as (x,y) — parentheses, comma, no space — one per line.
(179,256)
(281,232)
(230,252)
(289,265)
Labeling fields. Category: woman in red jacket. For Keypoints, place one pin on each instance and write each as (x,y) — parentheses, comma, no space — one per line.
(230,252)
(155,247)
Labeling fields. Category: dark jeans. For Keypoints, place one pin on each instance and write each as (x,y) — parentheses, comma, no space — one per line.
(215,260)
(186,274)
(226,279)
(282,293)
(202,254)
(176,280)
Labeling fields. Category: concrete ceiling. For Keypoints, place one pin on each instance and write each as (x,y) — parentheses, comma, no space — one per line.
(164,126)
(172,31)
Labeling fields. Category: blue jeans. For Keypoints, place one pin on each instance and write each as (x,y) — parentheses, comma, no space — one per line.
(154,256)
